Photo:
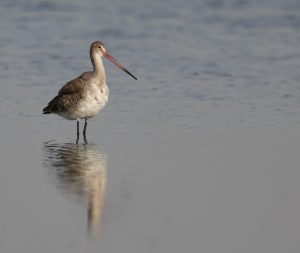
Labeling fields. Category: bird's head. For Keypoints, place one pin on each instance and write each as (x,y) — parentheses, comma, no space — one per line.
(98,49)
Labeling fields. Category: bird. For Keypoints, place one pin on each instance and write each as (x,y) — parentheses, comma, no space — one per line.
(84,96)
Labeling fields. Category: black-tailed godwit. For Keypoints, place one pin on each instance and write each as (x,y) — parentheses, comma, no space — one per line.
(85,96)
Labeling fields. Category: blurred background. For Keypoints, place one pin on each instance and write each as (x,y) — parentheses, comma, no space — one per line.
(199,155)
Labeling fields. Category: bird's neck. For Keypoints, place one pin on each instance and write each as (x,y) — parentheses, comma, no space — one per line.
(98,68)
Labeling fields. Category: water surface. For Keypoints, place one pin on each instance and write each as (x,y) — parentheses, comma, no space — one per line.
(201,154)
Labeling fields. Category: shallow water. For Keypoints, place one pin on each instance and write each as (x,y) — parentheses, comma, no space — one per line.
(199,155)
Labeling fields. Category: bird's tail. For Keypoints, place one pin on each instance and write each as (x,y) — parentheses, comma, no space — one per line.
(48,108)
(51,107)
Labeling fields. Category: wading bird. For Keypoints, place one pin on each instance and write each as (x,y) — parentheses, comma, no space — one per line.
(85,96)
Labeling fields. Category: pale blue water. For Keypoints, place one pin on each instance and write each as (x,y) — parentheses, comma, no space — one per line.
(201,154)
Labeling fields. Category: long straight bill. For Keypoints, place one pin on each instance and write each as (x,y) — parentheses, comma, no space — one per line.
(114,61)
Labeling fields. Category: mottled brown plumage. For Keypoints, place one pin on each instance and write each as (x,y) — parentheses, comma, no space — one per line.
(68,97)
(85,96)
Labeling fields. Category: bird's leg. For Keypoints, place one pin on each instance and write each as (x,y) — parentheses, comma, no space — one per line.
(77,131)
(84,129)
(84,132)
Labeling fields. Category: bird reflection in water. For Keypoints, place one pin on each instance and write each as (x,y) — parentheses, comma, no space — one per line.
(81,171)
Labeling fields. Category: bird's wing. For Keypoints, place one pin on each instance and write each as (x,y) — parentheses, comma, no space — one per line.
(72,87)
(68,96)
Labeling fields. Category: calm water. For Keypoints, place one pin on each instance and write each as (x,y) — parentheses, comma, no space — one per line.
(201,154)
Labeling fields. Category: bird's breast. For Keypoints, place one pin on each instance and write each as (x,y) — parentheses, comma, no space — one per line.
(93,101)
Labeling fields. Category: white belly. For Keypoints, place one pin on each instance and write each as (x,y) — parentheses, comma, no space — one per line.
(92,102)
